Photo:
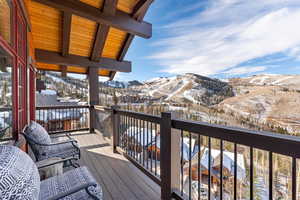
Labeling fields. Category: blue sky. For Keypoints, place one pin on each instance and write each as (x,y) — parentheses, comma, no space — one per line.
(218,38)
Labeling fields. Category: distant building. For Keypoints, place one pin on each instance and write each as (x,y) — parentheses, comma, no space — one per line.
(57,119)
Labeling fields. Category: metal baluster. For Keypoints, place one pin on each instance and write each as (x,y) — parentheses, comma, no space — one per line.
(131,133)
(47,127)
(235,171)
(144,143)
(155,149)
(221,170)
(127,134)
(270,175)
(147,123)
(199,166)
(151,148)
(135,139)
(251,174)
(119,131)
(294,178)
(181,163)
(123,132)
(209,168)
(86,112)
(73,119)
(190,165)
(140,136)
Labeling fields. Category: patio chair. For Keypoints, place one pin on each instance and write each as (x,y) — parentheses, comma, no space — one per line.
(44,147)
(19,180)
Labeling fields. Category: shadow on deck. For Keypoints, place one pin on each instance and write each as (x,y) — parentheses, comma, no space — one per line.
(119,178)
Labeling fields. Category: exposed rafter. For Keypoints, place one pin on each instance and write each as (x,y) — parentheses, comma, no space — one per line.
(120,20)
(51,57)
(66,32)
(109,8)
(139,13)
(141,8)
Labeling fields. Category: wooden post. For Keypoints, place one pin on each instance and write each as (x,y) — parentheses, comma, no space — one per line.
(93,97)
(116,124)
(170,157)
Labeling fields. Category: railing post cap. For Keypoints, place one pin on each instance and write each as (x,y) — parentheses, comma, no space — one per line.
(166,114)
(114,107)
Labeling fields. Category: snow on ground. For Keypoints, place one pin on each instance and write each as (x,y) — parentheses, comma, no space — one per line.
(184,83)
(48,92)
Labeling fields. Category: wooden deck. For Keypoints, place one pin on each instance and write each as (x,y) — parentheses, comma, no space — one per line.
(119,178)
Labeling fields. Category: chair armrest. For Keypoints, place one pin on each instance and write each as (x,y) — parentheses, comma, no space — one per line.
(68,135)
(40,164)
(74,190)
(63,142)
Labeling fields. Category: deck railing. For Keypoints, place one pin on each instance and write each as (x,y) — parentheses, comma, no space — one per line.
(5,124)
(57,119)
(195,160)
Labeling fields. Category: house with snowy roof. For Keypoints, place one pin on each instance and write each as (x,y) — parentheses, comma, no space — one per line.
(57,119)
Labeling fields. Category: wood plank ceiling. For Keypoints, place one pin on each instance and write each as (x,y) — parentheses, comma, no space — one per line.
(70,36)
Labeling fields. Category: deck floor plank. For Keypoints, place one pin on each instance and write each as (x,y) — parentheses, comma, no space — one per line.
(119,178)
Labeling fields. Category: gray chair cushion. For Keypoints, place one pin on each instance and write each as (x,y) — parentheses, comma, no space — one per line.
(63,151)
(19,177)
(65,182)
(38,133)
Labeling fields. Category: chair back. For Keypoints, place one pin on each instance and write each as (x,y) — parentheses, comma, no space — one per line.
(35,134)
(19,177)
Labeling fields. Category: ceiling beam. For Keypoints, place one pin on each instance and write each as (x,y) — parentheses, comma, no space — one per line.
(51,57)
(66,32)
(120,20)
(139,13)
(109,8)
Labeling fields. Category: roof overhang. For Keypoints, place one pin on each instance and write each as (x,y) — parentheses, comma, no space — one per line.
(71,36)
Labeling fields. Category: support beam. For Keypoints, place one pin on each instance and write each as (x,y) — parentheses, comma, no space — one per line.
(139,13)
(121,20)
(93,97)
(51,57)
(109,8)
(63,70)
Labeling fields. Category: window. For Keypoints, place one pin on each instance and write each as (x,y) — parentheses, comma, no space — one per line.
(6,99)
(6,20)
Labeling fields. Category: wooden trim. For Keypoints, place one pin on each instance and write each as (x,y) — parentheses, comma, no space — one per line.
(121,20)
(25,13)
(109,8)
(51,57)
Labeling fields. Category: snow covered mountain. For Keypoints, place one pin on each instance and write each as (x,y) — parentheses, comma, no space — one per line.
(272,100)
(269,100)
(187,88)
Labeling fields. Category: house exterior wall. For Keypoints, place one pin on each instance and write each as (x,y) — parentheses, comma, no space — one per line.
(23,72)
